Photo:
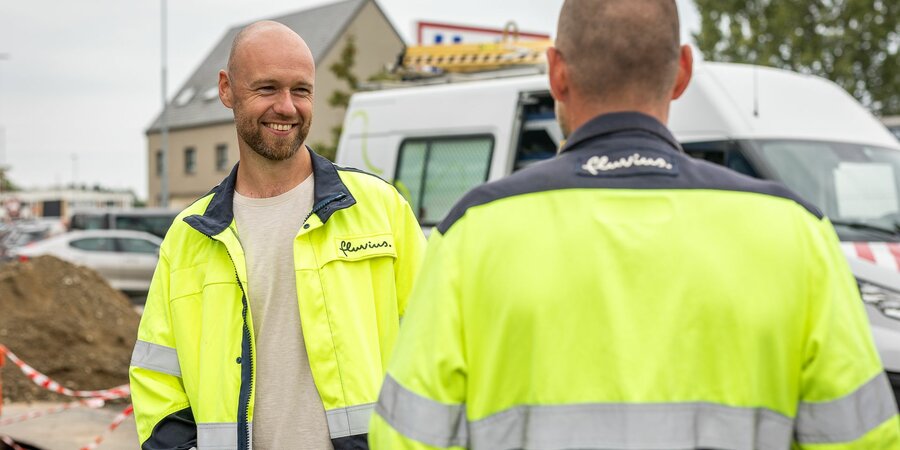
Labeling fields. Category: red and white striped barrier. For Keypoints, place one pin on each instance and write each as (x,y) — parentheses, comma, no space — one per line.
(8,441)
(92,403)
(45,382)
(112,427)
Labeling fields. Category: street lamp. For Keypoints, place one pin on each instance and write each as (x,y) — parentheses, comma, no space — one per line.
(3,168)
(164,123)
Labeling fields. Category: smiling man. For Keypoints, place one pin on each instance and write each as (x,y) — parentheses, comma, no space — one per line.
(278,295)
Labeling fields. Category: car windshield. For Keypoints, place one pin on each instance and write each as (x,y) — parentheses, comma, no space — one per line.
(856,186)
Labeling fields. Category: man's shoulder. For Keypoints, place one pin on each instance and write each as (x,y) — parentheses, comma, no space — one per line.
(365,184)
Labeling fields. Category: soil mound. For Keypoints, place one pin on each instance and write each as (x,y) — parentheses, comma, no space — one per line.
(67,323)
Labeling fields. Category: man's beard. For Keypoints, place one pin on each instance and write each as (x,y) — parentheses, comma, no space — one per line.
(278,148)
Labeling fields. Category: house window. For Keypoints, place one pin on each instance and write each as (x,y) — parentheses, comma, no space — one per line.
(190,160)
(222,157)
(159,163)
(433,173)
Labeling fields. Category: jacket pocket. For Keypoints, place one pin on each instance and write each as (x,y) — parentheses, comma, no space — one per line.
(361,247)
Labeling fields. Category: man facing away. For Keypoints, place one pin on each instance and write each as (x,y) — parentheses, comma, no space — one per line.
(625,296)
(277,296)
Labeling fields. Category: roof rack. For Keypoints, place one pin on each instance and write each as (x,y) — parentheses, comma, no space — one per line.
(411,79)
(464,58)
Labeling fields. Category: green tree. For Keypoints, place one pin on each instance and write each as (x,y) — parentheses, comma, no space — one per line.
(851,42)
(342,70)
(6,185)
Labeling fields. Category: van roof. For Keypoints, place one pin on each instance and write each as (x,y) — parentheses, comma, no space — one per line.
(739,101)
(723,101)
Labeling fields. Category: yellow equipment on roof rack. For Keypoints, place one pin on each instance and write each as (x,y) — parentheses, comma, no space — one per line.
(477,57)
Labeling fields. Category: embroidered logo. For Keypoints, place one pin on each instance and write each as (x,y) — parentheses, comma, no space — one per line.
(597,164)
(347,247)
(627,162)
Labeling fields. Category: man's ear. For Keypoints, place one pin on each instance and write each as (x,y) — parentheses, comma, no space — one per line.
(685,69)
(225,89)
(558,74)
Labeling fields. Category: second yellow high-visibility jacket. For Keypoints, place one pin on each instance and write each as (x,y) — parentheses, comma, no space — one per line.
(355,258)
(626,296)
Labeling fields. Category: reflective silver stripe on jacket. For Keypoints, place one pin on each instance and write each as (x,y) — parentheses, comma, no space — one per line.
(433,423)
(349,421)
(590,425)
(219,436)
(847,418)
(156,357)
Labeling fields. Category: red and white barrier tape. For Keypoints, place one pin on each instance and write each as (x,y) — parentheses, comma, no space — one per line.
(45,382)
(112,427)
(90,403)
(8,441)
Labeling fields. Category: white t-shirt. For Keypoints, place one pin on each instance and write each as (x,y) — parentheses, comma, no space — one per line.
(288,412)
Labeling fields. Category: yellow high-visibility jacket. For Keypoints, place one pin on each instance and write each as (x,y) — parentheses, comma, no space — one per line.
(626,296)
(355,258)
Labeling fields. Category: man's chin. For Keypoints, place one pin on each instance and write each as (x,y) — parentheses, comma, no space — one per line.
(280,154)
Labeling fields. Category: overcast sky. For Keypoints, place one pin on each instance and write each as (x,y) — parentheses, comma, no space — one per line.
(81,80)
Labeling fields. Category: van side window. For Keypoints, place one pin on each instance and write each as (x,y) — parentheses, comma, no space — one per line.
(433,173)
(723,153)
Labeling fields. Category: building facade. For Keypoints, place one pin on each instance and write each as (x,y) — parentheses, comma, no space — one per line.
(202,141)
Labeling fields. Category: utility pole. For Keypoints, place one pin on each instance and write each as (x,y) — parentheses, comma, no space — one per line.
(74,171)
(164,123)
(3,168)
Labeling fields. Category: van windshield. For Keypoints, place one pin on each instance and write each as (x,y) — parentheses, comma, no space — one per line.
(856,186)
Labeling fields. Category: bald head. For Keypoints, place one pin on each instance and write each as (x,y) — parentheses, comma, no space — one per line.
(620,48)
(266,34)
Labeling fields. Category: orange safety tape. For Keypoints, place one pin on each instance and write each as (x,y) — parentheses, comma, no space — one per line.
(112,427)
(45,382)
(90,403)
(8,441)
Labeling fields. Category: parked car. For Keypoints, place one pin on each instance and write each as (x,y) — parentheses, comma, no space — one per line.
(125,258)
(23,232)
(152,220)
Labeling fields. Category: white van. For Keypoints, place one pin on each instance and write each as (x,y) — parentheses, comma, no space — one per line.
(437,141)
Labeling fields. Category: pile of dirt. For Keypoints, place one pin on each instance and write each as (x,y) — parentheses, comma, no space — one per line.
(67,323)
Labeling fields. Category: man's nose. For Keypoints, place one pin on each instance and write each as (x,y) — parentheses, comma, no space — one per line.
(284,104)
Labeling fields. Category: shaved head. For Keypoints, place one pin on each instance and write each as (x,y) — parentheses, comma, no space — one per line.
(269,86)
(620,47)
(264,33)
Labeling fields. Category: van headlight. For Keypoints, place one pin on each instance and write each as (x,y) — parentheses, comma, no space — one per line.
(886,300)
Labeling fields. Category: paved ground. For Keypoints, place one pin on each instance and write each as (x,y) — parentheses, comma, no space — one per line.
(69,430)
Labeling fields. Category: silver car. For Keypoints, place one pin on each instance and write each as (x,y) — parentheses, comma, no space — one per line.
(125,258)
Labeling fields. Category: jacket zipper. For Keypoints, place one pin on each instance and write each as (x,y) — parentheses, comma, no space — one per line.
(244,309)
(322,204)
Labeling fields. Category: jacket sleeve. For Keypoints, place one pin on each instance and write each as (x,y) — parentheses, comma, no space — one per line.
(846,400)
(161,409)
(410,244)
(422,400)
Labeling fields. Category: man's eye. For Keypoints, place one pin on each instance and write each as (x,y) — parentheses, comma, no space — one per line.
(301,91)
(266,90)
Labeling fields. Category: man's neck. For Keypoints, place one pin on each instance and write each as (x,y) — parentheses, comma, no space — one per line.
(259,177)
(581,114)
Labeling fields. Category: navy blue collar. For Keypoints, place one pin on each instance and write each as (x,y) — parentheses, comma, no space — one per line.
(605,125)
(330,195)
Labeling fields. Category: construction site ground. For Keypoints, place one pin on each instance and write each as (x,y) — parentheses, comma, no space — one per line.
(71,429)
(67,323)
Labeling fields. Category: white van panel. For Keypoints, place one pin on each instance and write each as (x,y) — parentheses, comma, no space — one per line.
(751,102)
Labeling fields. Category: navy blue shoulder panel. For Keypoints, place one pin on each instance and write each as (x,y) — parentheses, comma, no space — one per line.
(627,161)
(354,169)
